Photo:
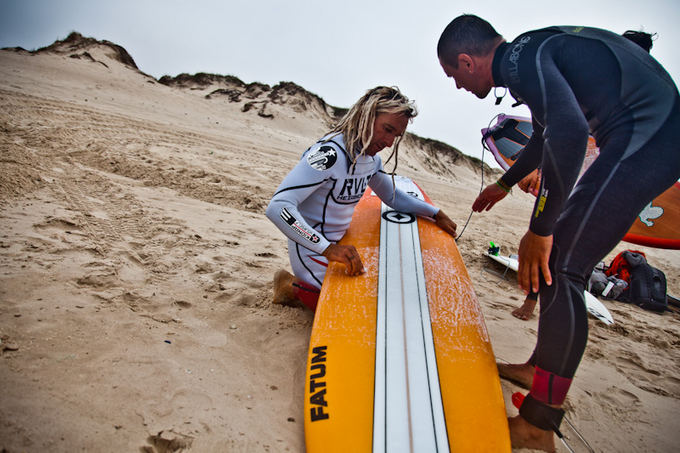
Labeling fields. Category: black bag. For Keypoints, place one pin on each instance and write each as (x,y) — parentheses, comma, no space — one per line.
(647,284)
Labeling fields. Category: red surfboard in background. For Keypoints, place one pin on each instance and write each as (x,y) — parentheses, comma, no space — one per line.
(658,225)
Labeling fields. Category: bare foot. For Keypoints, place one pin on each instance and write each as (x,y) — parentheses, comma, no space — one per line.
(525,435)
(522,375)
(526,311)
(284,294)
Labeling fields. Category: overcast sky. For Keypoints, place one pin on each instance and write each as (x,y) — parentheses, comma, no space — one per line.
(336,50)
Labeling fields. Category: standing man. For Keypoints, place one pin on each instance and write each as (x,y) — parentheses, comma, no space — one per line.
(575,81)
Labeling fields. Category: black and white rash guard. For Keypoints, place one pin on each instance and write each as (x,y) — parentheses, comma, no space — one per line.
(313,206)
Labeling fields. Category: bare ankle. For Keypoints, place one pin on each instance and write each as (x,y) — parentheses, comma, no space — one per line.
(525,435)
(521,374)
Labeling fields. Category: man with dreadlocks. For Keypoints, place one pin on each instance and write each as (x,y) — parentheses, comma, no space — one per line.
(313,206)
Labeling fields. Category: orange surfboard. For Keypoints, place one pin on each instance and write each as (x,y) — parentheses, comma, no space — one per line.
(399,357)
(658,225)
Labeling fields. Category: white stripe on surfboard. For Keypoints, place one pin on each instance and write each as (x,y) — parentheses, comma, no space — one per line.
(408,411)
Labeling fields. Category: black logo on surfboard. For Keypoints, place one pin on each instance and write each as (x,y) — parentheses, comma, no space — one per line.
(318,406)
(398,217)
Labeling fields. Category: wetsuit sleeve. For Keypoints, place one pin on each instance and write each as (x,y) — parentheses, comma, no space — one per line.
(565,135)
(283,211)
(529,159)
(565,138)
(381,183)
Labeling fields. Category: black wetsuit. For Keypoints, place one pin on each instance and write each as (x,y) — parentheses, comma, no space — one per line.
(576,81)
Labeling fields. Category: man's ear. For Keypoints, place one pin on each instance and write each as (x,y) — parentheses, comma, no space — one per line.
(466,62)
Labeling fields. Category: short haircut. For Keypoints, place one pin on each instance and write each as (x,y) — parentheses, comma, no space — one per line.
(466,34)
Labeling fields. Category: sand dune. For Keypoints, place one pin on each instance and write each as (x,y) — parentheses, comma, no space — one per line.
(137,262)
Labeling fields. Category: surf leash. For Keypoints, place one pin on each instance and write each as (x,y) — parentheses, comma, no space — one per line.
(484,147)
(518,399)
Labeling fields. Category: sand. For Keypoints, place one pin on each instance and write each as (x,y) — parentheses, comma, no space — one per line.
(136,266)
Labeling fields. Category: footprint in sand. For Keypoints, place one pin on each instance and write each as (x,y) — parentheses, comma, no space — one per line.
(614,399)
(167,442)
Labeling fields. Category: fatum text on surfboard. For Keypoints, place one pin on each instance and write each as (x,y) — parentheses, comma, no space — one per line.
(317,385)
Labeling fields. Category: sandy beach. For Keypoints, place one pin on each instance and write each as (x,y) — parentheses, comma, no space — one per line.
(136,265)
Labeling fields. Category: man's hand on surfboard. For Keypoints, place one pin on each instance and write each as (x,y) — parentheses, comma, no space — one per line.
(347,255)
(534,253)
(445,223)
(491,195)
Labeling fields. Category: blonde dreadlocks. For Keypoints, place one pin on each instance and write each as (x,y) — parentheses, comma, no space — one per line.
(357,124)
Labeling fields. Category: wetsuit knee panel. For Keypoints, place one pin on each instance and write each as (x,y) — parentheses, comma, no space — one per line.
(548,387)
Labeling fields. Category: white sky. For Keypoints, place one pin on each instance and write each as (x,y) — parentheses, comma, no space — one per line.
(336,52)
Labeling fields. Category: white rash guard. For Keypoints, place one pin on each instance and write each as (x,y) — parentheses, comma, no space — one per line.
(313,206)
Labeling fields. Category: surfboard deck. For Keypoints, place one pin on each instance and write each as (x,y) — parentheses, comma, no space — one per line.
(593,304)
(399,357)
(658,225)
